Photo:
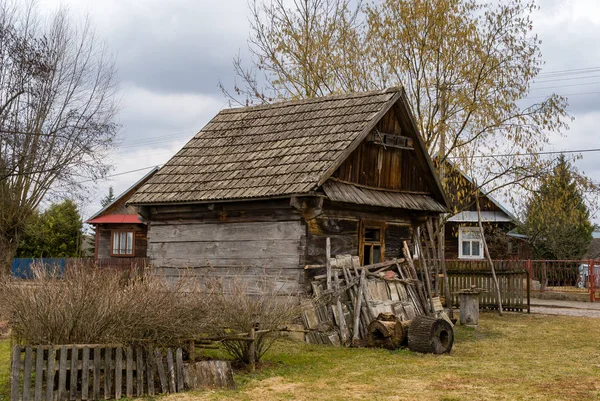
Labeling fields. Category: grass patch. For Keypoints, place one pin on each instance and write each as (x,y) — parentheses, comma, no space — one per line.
(515,357)
(4,368)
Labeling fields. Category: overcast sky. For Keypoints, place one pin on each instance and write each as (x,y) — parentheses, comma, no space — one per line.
(171,55)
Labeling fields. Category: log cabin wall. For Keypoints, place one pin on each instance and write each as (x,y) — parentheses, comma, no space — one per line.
(104,243)
(342,224)
(255,240)
(382,167)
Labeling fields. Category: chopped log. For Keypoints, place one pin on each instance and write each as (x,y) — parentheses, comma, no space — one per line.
(390,333)
(208,375)
(430,335)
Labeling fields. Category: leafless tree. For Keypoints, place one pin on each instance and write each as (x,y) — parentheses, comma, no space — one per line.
(57,110)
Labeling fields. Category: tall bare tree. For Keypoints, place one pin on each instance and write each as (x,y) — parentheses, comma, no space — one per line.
(57,109)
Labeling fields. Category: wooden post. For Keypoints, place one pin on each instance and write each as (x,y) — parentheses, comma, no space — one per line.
(160,367)
(252,346)
(96,383)
(139,371)
(39,372)
(129,373)
(118,372)
(107,373)
(171,371)
(27,373)
(14,372)
(592,281)
(328,261)
(62,373)
(50,374)
(179,368)
(192,351)
(74,371)
(488,257)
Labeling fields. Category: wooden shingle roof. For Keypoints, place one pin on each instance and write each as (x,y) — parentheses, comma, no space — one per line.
(280,149)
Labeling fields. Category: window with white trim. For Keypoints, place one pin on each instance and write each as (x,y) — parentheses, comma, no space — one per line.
(470,244)
(122,243)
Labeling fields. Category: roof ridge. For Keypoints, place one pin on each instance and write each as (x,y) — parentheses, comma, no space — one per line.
(297,102)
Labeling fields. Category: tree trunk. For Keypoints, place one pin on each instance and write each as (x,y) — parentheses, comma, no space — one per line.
(430,335)
(389,333)
(8,249)
(488,257)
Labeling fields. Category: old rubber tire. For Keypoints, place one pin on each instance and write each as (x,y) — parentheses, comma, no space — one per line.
(430,335)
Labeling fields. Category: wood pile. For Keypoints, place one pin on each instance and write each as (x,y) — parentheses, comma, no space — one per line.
(350,301)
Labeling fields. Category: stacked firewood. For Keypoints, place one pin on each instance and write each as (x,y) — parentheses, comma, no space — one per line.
(369,305)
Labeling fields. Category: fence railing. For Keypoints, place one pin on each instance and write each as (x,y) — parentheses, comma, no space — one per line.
(94,372)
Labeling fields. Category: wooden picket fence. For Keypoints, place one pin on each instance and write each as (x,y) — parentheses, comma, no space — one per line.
(514,288)
(94,372)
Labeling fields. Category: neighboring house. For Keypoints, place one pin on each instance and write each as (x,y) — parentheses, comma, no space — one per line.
(120,231)
(259,189)
(594,249)
(463,238)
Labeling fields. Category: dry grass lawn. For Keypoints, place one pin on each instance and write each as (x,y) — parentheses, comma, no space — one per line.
(515,357)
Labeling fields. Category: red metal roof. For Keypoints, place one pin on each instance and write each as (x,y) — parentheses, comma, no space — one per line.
(115,219)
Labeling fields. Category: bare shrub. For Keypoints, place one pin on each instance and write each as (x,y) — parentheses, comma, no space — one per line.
(92,305)
(242,306)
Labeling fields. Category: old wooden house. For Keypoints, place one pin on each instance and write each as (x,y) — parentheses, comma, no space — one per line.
(258,189)
(462,235)
(120,233)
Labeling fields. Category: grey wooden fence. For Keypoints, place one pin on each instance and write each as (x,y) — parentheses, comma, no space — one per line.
(514,288)
(93,372)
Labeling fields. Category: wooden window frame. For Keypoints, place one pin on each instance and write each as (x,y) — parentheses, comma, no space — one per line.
(122,255)
(462,229)
(364,224)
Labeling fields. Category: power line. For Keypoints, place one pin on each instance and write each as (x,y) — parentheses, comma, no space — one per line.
(570,71)
(121,173)
(552,152)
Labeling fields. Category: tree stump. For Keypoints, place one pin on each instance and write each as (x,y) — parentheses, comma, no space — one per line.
(208,375)
(386,332)
(430,335)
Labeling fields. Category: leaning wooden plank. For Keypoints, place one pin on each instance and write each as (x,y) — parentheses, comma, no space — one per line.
(73,374)
(27,370)
(179,369)
(14,372)
(50,374)
(39,372)
(107,372)
(328,261)
(344,335)
(118,372)
(357,307)
(171,371)
(161,371)
(139,374)
(62,373)
(129,372)
(96,374)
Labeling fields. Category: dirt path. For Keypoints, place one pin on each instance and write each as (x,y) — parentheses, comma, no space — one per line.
(565,308)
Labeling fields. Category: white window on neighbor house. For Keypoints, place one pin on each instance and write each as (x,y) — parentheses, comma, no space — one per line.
(470,244)
(122,243)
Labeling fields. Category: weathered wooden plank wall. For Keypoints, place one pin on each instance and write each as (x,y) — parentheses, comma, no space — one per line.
(379,167)
(259,242)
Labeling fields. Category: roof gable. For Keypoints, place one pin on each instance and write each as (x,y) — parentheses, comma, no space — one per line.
(282,149)
(119,205)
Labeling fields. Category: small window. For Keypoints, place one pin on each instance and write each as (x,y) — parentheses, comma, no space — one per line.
(371,242)
(122,243)
(470,244)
